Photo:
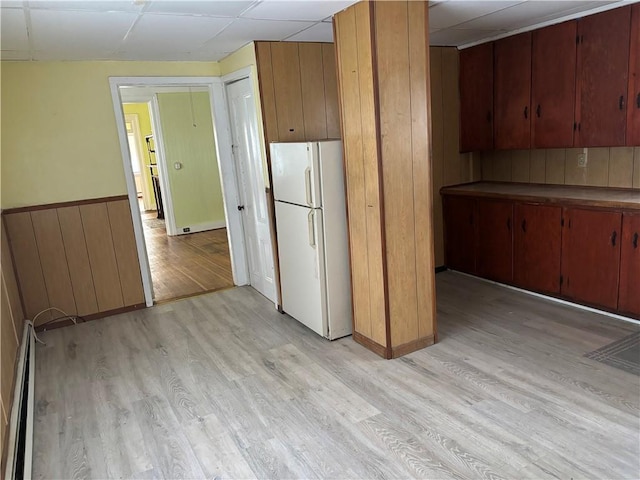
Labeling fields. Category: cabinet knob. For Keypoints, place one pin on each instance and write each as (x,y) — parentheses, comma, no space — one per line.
(524,225)
(526,112)
(538,111)
(614,235)
(621,102)
(638,101)
(635,240)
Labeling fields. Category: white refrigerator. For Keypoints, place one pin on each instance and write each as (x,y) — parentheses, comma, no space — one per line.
(311,224)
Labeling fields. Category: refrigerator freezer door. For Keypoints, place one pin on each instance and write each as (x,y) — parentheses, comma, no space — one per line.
(294,168)
(302,277)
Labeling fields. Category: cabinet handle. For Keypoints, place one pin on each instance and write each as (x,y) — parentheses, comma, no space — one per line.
(509,224)
(524,225)
(621,102)
(312,229)
(638,101)
(538,111)
(635,240)
(526,112)
(614,235)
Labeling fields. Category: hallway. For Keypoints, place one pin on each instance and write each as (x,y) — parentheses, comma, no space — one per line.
(186,265)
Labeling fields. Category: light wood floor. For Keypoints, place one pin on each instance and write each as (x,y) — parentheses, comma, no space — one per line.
(223,386)
(186,265)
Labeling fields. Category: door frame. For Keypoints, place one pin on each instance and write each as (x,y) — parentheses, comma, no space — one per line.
(228,177)
(135,123)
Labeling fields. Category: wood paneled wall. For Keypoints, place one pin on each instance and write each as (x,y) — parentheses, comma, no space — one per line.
(606,166)
(383,78)
(449,166)
(298,90)
(79,257)
(11,329)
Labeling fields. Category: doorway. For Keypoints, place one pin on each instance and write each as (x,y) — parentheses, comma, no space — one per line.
(188,251)
(237,228)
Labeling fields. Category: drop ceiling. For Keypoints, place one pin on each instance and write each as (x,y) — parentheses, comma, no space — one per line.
(209,30)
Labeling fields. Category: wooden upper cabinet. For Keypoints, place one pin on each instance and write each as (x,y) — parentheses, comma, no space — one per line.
(476,98)
(629,298)
(553,83)
(288,91)
(633,95)
(591,256)
(512,92)
(602,78)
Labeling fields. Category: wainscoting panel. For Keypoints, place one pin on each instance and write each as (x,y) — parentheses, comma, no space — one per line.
(80,257)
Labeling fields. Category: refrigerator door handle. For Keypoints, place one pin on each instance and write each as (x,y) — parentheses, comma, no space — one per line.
(307,184)
(312,230)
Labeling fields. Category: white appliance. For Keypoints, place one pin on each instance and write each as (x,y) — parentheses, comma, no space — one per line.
(311,222)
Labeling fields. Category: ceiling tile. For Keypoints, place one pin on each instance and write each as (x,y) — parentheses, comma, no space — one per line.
(320,32)
(90,5)
(449,14)
(15,55)
(528,13)
(455,37)
(248,30)
(13,29)
(297,10)
(71,33)
(173,33)
(216,8)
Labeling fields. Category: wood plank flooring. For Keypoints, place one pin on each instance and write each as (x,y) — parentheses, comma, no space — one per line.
(186,265)
(223,386)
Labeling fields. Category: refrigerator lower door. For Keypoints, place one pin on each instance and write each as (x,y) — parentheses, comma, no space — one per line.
(301,258)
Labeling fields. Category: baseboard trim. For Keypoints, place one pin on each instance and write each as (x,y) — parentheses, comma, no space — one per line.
(202,227)
(407,348)
(375,347)
(88,318)
(554,299)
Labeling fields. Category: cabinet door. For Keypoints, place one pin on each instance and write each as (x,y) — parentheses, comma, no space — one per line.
(495,240)
(553,84)
(460,231)
(602,78)
(537,243)
(287,89)
(512,92)
(591,256)
(476,98)
(629,297)
(633,103)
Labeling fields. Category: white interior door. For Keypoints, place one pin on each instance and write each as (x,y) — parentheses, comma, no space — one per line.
(255,215)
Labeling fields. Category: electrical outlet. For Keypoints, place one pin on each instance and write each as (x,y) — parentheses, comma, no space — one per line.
(582,159)
(186,230)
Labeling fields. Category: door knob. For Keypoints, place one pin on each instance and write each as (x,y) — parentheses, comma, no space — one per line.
(240,208)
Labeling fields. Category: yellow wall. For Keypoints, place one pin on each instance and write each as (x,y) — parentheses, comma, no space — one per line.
(59,138)
(187,134)
(606,167)
(144,121)
(242,58)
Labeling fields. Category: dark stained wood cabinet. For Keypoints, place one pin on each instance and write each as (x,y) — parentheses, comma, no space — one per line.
(633,94)
(512,92)
(629,296)
(591,256)
(476,98)
(553,83)
(495,240)
(537,244)
(602,78)
(460,233)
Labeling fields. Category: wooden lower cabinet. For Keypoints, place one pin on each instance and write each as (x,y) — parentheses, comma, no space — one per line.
(460,230)
(495,240)
(588,255)
(629,296)
(537,244)
(591,256)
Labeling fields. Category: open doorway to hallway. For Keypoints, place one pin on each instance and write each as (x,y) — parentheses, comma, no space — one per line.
(177,182)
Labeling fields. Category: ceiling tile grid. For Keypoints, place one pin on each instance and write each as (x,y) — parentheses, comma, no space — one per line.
(208,30)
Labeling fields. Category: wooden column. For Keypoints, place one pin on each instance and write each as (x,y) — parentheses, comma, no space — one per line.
(382,51)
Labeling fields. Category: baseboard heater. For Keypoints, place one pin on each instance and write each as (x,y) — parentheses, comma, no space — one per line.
(20,440)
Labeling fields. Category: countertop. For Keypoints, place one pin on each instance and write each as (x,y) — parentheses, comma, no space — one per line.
(619,198)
